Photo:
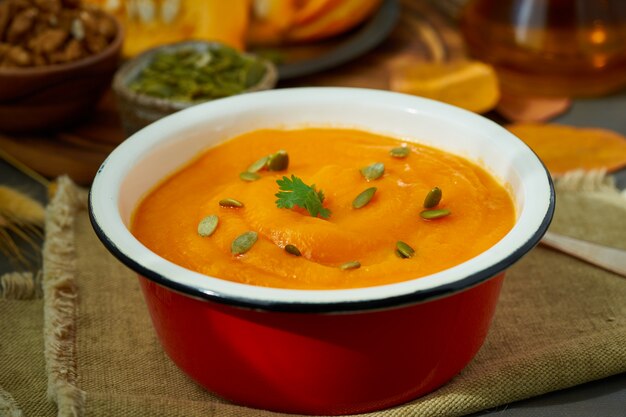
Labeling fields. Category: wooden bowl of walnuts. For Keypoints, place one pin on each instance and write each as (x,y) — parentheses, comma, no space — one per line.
(57,57)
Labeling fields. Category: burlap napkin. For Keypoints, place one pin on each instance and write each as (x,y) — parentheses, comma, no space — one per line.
(559,322)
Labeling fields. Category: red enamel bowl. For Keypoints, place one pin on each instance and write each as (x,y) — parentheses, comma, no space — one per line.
(320,351)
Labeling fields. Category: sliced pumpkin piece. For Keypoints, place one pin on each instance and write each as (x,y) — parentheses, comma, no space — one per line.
(531,109)
(472,85)
(344,16)
(567,148)
(270,20)
(152,23)
(313,9)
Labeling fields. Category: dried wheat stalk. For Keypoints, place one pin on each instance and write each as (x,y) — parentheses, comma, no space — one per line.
(21,223)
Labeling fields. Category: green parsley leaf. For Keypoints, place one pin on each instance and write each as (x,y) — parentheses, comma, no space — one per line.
(294,192)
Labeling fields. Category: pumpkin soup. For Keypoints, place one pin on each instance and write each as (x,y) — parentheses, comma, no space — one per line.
(323,209)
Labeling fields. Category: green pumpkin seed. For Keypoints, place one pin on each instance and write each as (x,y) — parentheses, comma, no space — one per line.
(278,161)
(243,243)
(292,250)
(350,265)
(249,176)
(432,198)
(258,164)
(362,199)
(400,152)
(207,226)
(231,202)
(189,75)
(404,250)
(374,171)
(434,214)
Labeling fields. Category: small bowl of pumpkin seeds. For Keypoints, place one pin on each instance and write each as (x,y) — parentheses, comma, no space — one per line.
(173,77)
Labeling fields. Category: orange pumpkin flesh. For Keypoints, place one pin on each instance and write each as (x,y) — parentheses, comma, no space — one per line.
(344,16)
(213,20)
(270,20)
(482,212)
(568,148)
(313,9)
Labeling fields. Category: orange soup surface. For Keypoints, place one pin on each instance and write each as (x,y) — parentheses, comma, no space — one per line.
(481,211)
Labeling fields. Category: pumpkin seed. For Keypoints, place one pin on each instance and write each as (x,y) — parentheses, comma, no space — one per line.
(400,152)
(434,214)
(231,202)
(374,171)
(207,226)
(278,161)
(249,176)
(362,199)
(350,265)
(243,243)
(258,165)
(432,198)
(404,250)
(292,250)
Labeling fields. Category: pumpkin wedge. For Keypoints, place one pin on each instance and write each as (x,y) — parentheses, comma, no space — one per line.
(567,148)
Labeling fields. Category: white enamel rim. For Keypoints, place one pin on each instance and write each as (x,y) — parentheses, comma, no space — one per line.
(372,110)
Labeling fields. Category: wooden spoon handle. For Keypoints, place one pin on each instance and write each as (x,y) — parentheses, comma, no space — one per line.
(611,259)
